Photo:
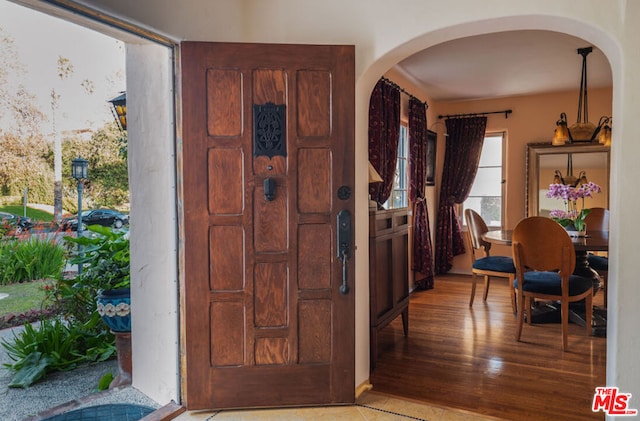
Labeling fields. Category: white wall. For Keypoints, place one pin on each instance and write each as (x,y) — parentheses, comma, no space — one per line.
(154,243)
(384,33)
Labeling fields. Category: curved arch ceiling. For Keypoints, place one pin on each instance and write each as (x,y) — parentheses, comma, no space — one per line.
(503,64)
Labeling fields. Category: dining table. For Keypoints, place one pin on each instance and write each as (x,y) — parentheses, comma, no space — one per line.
(594,241)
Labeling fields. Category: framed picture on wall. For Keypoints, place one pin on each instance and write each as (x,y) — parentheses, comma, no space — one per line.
(432,137)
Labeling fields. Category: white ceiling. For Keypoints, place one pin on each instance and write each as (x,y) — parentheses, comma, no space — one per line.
(505,64)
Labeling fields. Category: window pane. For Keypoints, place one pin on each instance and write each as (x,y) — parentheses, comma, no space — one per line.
(486,194)
(399,196)
(491,152)
(402,169)
(488,182)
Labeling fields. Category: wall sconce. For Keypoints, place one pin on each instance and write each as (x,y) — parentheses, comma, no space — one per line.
(561,134)
(119,110)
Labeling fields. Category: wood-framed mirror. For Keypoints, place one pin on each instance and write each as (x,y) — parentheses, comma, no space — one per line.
(543,160)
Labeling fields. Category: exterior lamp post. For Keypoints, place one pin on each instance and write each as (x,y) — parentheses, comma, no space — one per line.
(79,171)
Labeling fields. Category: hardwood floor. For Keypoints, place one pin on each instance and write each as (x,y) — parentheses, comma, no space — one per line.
(468,358)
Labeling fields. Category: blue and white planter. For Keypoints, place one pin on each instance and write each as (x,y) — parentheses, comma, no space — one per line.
(114,307)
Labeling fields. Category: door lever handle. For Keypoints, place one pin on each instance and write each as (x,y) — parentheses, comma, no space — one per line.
(269,185)
(344,247)
(344,288)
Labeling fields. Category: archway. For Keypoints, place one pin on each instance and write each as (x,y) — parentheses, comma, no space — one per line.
(370,76)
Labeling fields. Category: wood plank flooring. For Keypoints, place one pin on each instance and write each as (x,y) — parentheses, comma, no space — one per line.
(468,358)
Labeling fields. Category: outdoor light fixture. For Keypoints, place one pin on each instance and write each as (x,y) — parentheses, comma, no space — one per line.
(120,109)
(80,172)
(79,168)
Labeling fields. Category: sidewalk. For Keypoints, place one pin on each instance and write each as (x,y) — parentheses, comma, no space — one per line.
(76,388)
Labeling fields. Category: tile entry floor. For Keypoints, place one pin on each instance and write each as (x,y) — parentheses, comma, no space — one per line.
(371,406)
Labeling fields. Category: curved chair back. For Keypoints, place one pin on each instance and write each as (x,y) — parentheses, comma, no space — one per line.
(476,228)
(541,244)
(598,219)
(487,266)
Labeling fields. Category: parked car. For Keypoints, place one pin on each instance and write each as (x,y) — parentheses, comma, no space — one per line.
(105,217)
(15,224)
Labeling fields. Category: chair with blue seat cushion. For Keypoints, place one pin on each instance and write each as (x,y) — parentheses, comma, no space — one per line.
(598,220)
(487,265)
(545,260)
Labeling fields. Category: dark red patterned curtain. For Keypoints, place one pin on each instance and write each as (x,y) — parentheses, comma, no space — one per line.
(422,257)
(384,129)
(462,155)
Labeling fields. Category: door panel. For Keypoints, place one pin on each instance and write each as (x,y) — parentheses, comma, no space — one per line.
(263,320)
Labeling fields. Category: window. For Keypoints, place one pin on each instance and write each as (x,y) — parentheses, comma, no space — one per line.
(400,194)
(486,193)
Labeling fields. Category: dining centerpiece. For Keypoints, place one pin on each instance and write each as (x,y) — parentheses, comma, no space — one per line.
(572,217)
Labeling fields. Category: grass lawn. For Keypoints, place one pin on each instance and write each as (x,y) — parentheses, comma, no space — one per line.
(22,297)
(34,214)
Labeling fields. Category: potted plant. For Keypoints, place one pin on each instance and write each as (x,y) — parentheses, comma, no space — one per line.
(104,259)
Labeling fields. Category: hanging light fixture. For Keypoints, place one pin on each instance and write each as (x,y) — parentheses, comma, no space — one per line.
(569,178)
(582,130)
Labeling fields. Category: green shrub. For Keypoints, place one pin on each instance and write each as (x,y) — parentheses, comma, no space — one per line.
(105,257)
(105,260)
(29,258)
(79,336)
(54,345)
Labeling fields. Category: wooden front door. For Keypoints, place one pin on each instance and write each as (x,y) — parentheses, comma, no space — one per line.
(268,163)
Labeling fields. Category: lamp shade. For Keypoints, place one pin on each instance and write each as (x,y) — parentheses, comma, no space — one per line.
(79,168)
(561,134)
(604,137)
(582,178)
(374,176)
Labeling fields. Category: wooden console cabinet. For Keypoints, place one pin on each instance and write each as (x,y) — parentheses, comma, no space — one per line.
(388,272)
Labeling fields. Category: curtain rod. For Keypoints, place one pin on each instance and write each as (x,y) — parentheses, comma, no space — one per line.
(401,89)
(506,114)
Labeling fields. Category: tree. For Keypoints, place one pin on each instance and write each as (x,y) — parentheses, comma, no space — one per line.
(23,149)
(108,183)
(65,70)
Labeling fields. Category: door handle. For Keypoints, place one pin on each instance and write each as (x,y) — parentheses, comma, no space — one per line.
(344,246)
(269,185)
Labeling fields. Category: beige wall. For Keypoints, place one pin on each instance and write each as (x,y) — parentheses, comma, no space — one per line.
(532,121)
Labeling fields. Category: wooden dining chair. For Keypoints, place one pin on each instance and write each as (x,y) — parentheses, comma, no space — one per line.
(486,265)
(598,220)
(545,259)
